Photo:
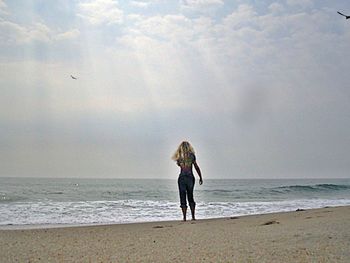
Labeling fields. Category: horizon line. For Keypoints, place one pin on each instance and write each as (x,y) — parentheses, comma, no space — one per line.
(175,178)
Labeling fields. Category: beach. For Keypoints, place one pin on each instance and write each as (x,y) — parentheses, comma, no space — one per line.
(315,235)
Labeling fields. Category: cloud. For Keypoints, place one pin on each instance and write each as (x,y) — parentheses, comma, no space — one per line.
(300,3)
(226,52)
(276,8)
(71,34)
(12,33)
(271,49)
(16,34)
(202,6)
(99,12)
(3,8)
(165,27)
(244,16)
(140,4)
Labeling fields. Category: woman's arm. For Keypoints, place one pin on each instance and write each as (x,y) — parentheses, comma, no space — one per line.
(198,172)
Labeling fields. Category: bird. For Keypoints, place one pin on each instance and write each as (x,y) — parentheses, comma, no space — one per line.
(73,77)
(347,17)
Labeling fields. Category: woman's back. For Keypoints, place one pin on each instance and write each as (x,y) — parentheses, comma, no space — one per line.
(186,163)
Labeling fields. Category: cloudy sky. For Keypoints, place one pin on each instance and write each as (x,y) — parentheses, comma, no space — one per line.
(260,88)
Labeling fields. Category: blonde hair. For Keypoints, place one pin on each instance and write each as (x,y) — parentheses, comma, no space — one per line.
(184,149)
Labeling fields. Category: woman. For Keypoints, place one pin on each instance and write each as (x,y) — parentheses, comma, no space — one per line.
(185,158)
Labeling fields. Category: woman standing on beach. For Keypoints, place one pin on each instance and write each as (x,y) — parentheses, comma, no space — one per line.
(185,158)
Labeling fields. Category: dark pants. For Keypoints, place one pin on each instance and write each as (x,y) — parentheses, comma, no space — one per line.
(186,185)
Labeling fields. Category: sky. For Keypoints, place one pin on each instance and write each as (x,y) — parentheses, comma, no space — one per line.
(260,88)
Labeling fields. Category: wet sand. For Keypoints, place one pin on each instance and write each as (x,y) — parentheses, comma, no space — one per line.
(317,235)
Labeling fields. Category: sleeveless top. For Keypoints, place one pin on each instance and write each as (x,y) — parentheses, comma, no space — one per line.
(186,164)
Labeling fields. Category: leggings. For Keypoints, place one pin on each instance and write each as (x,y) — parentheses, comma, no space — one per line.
(186,185)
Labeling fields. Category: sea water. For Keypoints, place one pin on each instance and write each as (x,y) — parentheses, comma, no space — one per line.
(39,201)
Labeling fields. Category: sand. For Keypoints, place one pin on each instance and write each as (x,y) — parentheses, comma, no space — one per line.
(318,235)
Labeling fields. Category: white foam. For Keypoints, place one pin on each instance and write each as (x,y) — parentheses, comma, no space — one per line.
(129,211)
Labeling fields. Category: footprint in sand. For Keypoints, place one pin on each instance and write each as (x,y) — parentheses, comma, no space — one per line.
(272,222)
(162,226)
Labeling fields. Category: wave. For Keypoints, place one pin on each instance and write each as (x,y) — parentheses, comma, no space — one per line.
(280,191)
(131,211)
(219,191)
(311,188)
(13,198)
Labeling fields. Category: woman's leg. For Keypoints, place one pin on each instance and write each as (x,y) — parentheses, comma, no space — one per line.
(193,207)
(184,212)
(191,201)
(182,192)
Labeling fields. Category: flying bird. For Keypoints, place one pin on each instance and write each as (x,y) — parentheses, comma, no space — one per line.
(73,77)
(347,17)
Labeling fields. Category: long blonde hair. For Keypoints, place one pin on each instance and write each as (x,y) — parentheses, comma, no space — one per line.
(184,149)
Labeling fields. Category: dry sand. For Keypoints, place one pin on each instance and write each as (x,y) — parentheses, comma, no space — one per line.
(319,235)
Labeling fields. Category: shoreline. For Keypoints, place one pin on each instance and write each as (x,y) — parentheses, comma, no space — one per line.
(58,226)
(314,235)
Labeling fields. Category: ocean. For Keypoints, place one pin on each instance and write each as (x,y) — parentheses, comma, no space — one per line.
(43,201)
